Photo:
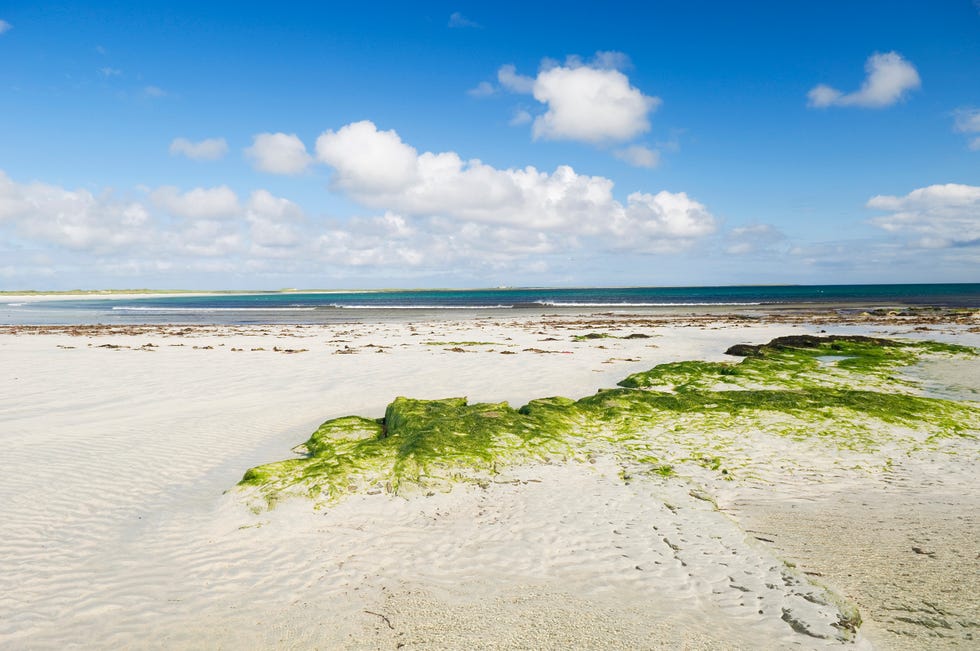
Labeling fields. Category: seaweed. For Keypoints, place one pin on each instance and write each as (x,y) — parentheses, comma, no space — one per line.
(655,422)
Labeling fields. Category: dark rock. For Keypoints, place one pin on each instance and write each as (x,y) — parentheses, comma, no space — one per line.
(803,341)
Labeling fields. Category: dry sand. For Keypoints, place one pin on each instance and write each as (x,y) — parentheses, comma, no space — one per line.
(119,445)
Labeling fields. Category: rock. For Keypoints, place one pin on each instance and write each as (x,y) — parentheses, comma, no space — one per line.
(803,341)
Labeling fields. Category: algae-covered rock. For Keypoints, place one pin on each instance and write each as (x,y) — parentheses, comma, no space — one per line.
(348,428)
(808,341)
(784,388)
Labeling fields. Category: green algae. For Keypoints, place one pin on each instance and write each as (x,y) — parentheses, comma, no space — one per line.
(655,422)
(593,335)
(795,363)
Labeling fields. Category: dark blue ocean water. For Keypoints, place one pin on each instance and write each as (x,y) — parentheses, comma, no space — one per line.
(325,307)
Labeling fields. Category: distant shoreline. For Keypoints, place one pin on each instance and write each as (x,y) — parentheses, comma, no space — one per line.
(122,294)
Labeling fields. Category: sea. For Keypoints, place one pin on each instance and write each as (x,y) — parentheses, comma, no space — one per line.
(312,307)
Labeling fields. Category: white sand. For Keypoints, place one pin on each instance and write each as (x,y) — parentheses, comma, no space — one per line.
(117,532)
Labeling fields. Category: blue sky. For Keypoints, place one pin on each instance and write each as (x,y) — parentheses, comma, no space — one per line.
(246,145)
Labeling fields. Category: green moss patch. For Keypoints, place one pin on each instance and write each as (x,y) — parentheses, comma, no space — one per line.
(655,422)
(606,335)
(593,335)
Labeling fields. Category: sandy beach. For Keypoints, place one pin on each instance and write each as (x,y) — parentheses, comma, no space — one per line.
(124,528)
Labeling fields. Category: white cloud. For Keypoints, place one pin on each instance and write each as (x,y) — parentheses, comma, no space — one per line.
(434,243)
(662,221)
(5,27)
(968,121)
(387,240)
(458,20)
(519,118)
(368,161)
(199,203)
(379,170)
(823,95)
(611,60)
(110,72)
(154,91)
(509,79)
(274,221)
(101,233)
(591,102)
(74,219)
(207,238)
(602,60)
(278,153)
(889,79)
(591,105)
(482,89)
(207,149)
(938,216)
(638,156)
(439,216)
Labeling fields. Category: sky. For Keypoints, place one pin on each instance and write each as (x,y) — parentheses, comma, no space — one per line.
(238,145)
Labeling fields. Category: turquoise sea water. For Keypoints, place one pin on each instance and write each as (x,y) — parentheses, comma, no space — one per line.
(326,307)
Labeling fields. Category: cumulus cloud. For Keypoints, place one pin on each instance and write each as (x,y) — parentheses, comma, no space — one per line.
(207,238)
(434,214)
(76,231)
(387,240)
(509,79)
(638,156)
(74,219)
(889,79)
(5,27)
(591,105)
(274,221)
(268,234)
(434,243)
(937,216)
(199,203)
(968,121)
(368,161)
(379,170)
(278,153)
(154,92)
(603,60)
(110,72)
(661,222)
(589,101)
(207,149)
